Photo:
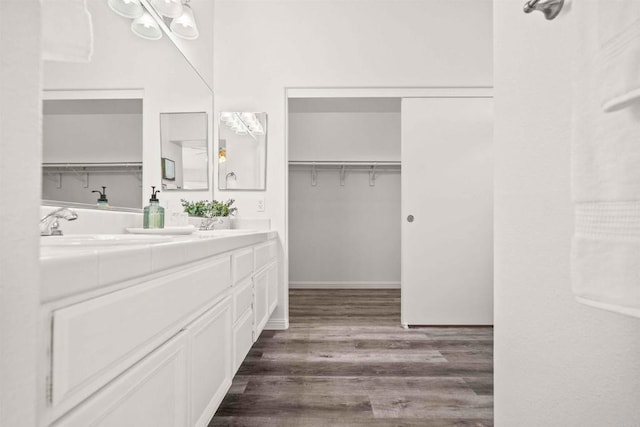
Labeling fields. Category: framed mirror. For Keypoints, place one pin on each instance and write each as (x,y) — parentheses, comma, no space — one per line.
(242,151)
(185,153)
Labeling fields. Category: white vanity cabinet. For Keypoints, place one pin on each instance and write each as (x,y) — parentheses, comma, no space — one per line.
(152,393)
(160,350)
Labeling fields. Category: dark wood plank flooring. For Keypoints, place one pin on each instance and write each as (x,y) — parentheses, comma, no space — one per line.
(346,361)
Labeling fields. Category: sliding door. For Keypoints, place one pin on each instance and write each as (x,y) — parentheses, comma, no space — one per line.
(447,217)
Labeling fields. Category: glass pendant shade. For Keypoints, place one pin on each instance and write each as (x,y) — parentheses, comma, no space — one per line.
(127,8)
(185,26)
(146,27)
(168,8)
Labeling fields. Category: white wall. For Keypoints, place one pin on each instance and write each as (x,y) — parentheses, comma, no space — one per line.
(20,154)
(122,60)
(557,363)
(344,235)
(262,47)
(335,129)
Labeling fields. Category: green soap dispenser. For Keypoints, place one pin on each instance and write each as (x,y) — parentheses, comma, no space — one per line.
(153,213)
(102,200)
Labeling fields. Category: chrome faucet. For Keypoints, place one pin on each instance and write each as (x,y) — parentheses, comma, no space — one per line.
(49,225)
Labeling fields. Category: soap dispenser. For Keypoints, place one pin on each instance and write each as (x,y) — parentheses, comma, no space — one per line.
(153,213)
(102,200)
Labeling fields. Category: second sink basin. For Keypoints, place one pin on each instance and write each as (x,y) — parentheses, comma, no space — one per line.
(86,240)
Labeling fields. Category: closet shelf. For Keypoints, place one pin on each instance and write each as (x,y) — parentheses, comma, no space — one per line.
(93,165)
(81,171)
(373,167)
(321,163)
(74,168)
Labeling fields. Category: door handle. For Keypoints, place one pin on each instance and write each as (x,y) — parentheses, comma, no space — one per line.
(410,218)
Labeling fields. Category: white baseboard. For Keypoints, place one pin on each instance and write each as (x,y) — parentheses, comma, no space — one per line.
(344,285)
(277,324)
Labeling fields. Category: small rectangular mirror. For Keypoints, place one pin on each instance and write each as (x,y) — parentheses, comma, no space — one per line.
(242,151)
(185,153)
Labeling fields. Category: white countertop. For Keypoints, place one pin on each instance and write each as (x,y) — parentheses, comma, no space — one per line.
(69,270)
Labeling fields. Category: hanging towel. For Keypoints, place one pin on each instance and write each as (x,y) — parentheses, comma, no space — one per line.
(67,33)
(606,155)
(618,61)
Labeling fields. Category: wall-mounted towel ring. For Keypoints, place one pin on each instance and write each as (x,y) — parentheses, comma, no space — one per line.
(550,8)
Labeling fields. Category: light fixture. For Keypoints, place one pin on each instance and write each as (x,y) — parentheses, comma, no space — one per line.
(185,26)
(127,8)
(222,155)
(168,8)
(146,27)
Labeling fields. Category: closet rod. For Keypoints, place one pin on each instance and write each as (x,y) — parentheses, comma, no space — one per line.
(92,165)
(346,163)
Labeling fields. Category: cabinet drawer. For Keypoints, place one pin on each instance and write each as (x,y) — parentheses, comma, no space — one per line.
(152,393)
(242,264)
(242,299)
(265,253)
(242,339)
(96,340)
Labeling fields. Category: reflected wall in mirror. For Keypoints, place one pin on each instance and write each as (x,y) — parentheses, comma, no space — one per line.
(242,151)
(89,144)
(185,154)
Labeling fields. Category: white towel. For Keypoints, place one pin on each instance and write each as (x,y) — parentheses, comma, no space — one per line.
(618,53)
(67,33)
(606,155)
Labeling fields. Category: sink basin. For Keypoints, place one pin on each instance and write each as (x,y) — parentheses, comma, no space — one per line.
(223,233)
(86,240)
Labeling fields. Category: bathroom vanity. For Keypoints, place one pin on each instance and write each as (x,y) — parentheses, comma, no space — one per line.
(150,333)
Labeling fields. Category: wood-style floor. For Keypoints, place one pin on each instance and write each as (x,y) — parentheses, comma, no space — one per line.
(346,361)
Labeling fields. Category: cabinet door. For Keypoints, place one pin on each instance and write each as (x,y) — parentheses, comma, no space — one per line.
(272,291)
(242,339)
(261,301)
(210,361)
(152,393)
(447,206)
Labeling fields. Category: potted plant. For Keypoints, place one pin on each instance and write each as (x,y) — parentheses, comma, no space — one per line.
(214,215)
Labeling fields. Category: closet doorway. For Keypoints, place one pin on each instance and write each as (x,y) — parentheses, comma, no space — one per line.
(344,193)
(392,188)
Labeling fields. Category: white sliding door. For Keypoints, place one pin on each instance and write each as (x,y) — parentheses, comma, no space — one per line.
(447,189)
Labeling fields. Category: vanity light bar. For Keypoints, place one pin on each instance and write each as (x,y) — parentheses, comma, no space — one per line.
(148,16)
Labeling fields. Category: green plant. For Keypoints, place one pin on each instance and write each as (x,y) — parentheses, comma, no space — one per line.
(206,209)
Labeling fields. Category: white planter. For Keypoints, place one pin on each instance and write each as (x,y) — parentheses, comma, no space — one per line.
(215,223)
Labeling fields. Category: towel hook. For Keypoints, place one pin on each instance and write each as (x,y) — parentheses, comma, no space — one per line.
(550,8)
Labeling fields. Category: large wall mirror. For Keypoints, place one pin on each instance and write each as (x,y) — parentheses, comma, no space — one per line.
(242,151)
(104,121)
(185,151)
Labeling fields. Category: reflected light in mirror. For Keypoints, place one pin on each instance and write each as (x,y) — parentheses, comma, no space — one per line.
(127,8)
(168,8)
(146,27)
(185,25)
